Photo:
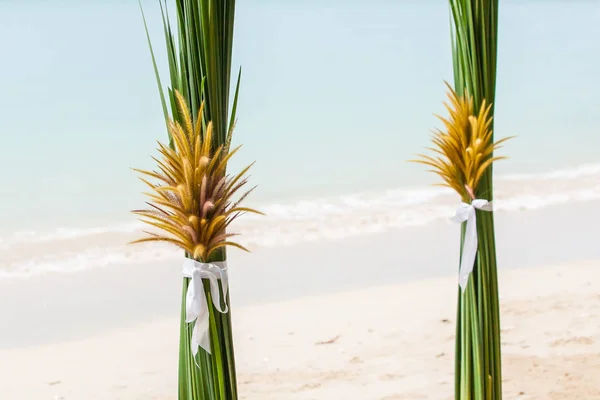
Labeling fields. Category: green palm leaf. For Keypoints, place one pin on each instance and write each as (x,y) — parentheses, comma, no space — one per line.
(199,54)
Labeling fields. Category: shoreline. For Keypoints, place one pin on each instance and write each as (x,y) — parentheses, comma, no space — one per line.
(69,249)
(380,343)
(75,305)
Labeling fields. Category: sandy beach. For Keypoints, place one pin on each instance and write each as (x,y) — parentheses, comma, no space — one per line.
(385,343)
(364,318)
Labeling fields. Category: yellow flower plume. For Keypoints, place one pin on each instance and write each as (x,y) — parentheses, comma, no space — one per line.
(464,150)
(192,203)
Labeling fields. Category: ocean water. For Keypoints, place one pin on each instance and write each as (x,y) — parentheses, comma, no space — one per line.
(335,97)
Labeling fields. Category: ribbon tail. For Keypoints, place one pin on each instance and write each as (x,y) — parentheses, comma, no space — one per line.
(469,251)
(197,310)
(190,312)
(194,343)
(225,286)
(216,295)
(202,333)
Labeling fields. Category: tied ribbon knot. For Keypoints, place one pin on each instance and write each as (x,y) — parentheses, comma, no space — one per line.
(196,305)
(466,212)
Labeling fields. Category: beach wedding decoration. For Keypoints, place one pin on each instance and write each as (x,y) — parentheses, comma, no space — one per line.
(193,204)
(464,156)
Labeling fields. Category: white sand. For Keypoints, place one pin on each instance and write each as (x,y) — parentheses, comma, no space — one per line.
(388,343)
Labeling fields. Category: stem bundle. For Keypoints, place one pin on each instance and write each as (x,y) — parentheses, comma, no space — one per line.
(464,156)
(199,55)
(478,358)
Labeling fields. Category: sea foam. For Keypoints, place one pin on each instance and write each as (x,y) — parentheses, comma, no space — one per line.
(326,218)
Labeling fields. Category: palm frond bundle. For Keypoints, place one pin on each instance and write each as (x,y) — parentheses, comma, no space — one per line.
(466,151)
(478,359)
(464,160)
(199,53)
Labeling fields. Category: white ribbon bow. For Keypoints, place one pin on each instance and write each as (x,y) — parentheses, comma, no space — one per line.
(466,212)
(196,306)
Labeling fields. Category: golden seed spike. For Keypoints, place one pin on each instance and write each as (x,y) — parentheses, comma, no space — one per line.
(465,147)
(193,189)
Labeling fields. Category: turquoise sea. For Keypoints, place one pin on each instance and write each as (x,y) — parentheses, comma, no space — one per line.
(335,97)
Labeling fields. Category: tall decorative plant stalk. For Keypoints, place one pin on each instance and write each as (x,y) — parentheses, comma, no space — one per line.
(199,54)
(478,372)
(466,155)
